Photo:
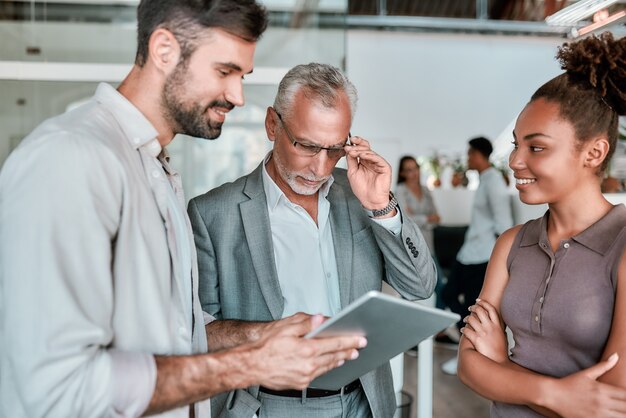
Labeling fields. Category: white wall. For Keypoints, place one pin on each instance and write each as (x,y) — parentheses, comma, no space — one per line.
(420,92)
(99,43)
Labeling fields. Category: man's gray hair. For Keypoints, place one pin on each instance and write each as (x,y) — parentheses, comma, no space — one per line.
(321,82)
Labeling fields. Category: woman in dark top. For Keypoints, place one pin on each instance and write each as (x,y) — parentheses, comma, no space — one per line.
(559,282)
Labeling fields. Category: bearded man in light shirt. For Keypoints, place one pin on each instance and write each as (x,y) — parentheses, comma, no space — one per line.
(99,308)
(298,234)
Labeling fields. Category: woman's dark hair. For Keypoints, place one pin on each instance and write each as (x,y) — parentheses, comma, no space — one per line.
(187,19)
(404,159)
(592,92)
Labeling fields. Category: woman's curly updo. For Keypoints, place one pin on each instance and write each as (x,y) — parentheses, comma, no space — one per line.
(592,91)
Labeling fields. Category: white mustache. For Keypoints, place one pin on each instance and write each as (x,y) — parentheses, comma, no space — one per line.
(322,179)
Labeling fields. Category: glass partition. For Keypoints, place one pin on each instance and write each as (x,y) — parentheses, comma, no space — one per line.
(53,55)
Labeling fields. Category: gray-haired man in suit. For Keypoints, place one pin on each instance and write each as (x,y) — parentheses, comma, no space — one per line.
(298,234)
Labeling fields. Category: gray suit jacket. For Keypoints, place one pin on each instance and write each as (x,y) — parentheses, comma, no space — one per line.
(238,277)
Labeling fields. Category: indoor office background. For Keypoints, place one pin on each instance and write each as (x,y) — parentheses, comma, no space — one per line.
(430,73)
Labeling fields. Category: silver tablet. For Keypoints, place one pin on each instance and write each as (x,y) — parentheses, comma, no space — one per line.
(391,325)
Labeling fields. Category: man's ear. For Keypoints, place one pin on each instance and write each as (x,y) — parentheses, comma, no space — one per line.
(596,151)
(270,123)
(163,50)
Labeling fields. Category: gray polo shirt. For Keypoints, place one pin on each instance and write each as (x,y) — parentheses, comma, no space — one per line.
(559,304)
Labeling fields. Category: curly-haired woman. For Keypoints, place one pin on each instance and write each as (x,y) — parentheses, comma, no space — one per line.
(559,282)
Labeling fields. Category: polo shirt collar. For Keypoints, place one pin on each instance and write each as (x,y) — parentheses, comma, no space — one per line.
(598,237)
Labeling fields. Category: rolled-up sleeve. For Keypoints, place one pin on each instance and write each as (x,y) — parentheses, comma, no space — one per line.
(60,204)
(134,380)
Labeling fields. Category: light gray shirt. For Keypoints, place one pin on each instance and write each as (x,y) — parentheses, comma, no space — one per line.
(92,277)
(418,210)
(298,241)
(491,216)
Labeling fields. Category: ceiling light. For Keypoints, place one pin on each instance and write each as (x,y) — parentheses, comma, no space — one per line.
(599,24)
(577,12)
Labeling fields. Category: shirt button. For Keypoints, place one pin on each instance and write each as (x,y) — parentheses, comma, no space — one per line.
(328,275)
(541,299)
(548,281)
(155,173)
(566,245)
(537,318)
(136,140)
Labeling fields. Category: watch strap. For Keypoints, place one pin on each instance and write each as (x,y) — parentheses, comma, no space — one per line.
(393,203)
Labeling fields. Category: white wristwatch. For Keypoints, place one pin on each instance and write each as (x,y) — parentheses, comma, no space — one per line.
(393,203)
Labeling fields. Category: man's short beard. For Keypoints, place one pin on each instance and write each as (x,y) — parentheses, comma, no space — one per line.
(292,178)
(187,118)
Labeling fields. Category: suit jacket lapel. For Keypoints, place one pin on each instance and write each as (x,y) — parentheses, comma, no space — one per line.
(256,225)
(342,239)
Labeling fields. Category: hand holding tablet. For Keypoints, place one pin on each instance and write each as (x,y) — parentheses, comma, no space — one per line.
(391,325)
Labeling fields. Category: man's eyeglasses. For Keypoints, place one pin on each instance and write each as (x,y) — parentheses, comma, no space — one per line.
(311,150)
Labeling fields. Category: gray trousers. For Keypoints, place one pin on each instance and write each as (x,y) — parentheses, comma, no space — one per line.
(352,405)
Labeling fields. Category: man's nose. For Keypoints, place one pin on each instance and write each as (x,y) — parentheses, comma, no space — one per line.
(321,164)
(234,92)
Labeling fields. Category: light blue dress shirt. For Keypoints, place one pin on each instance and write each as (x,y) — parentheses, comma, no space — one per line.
(304,252)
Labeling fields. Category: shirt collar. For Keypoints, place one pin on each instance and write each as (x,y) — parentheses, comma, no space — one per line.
(138,130)
(598,237)
(163,157)
(273,193)
(486,171)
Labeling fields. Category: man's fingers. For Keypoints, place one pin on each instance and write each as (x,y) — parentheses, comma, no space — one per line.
(357,140)
(327,353)
(299,325)
(371,161)
(352,161)
(365,154)
(317,320)
(297,317)
(340,344)
(326,363)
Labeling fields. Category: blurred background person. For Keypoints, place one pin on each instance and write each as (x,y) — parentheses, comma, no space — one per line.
(491,216)
(416,200)
(417,203)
